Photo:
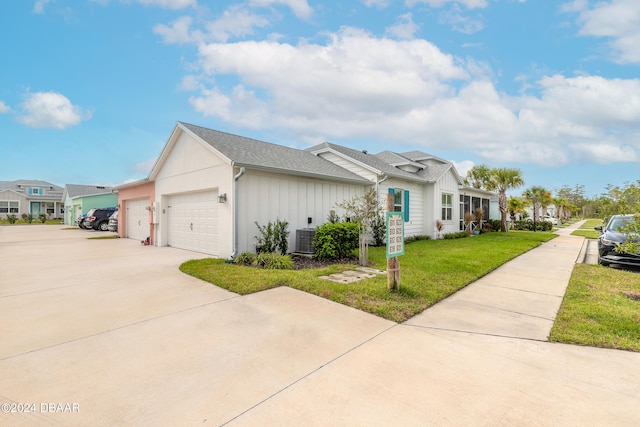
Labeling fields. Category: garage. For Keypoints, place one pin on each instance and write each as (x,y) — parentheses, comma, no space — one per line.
(192,222)
(137,221)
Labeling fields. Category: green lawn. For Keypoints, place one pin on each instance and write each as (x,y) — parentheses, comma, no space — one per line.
(586,229)
(601,308)
(431,270)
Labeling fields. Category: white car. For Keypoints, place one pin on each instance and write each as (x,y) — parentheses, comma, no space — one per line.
(551,219)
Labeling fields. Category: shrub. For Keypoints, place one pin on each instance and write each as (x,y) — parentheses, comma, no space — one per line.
(43,218)
(379,228)
(495,224)
(273,236)
(273,261)
(28,218)
(458,235)
(528,225)
(245,258)
(12,218)
(416,238)
(335,240)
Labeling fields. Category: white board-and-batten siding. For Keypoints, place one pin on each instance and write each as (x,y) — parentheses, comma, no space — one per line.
(264,197)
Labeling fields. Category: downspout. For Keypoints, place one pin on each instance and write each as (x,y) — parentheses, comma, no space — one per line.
(235,212)
(378,185)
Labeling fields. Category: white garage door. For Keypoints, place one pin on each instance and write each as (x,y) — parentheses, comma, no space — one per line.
(193,222)
(137,221)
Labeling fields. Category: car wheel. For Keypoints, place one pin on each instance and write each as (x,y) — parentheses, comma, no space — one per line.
(104,226)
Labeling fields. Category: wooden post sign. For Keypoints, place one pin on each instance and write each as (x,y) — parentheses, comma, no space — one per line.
(395,244)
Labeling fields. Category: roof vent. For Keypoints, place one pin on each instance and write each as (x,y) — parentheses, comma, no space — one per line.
(364,152)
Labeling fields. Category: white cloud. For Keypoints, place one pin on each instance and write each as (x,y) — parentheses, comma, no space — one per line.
(459,22)
(146,166)
(380,4)
(178,32)
(50,110)
(470,4)
(236,21)
(463,167)
(348,88)
(165,4)
(405,28)
(4,108)
(300,8)
(39,5)
(616,20)
(169,4)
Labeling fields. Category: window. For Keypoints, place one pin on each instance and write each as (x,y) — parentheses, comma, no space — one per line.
(35,190)
(9,207)
(50,209)
(400,201)
(447,207)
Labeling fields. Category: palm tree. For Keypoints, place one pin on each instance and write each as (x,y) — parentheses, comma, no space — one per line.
(516,206)
(478,176)
(536,195)
(503,179)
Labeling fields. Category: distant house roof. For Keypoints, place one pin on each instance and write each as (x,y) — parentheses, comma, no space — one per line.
(76,190)
(242,151)
(21,186)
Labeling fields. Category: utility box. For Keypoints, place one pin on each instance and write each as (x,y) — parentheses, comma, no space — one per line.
(304,240)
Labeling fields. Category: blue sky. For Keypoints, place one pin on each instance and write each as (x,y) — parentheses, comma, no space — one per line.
(91,90)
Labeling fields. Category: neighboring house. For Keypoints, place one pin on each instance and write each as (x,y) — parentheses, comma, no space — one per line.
(211,188)
(137,210)
(79,199)
(30,197)
(425,187)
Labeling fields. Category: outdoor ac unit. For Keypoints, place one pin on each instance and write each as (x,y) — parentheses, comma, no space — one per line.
(304,240)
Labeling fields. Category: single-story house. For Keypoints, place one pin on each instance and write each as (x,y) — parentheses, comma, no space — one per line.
(30,197)
(79,199)
(137,210)
(212,187)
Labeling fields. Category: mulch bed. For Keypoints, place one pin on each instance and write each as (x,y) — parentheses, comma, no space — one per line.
(301,262)
(632,296)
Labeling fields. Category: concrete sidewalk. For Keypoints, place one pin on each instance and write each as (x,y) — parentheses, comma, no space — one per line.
(114,330)
(519,300)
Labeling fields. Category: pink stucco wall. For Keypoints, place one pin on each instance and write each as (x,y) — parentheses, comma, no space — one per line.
(146,189)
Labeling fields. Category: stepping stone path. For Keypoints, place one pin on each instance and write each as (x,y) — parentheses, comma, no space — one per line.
(351,276)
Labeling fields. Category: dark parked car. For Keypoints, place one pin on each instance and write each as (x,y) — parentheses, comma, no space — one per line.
(610,238)
(80,220)
(98,219)
(113,222)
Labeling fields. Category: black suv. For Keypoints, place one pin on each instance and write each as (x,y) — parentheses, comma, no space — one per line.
(98,219)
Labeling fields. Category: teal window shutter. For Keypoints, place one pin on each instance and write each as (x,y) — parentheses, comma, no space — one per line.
(392,191)
(30,190)
(406,205)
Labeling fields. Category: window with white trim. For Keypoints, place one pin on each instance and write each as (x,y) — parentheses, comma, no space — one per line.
(9,206)
(447,207)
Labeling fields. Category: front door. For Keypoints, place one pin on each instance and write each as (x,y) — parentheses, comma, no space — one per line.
(35,209)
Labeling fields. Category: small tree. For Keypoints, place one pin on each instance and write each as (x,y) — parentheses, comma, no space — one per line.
(363,210)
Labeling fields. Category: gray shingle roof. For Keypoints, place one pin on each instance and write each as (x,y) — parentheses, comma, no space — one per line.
(76,190)
(369,160)
(264,155)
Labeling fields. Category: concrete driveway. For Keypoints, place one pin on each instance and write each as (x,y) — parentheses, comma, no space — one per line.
(109,332)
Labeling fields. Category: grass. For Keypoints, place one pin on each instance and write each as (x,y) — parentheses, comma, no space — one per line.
(112,236)
(586,229)
(431,270)
(599,310)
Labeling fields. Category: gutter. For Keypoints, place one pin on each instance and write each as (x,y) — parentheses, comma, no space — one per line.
(235,212)
(378,185)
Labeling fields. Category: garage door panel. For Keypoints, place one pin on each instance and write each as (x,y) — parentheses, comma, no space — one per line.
(193,223)
(137,222)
